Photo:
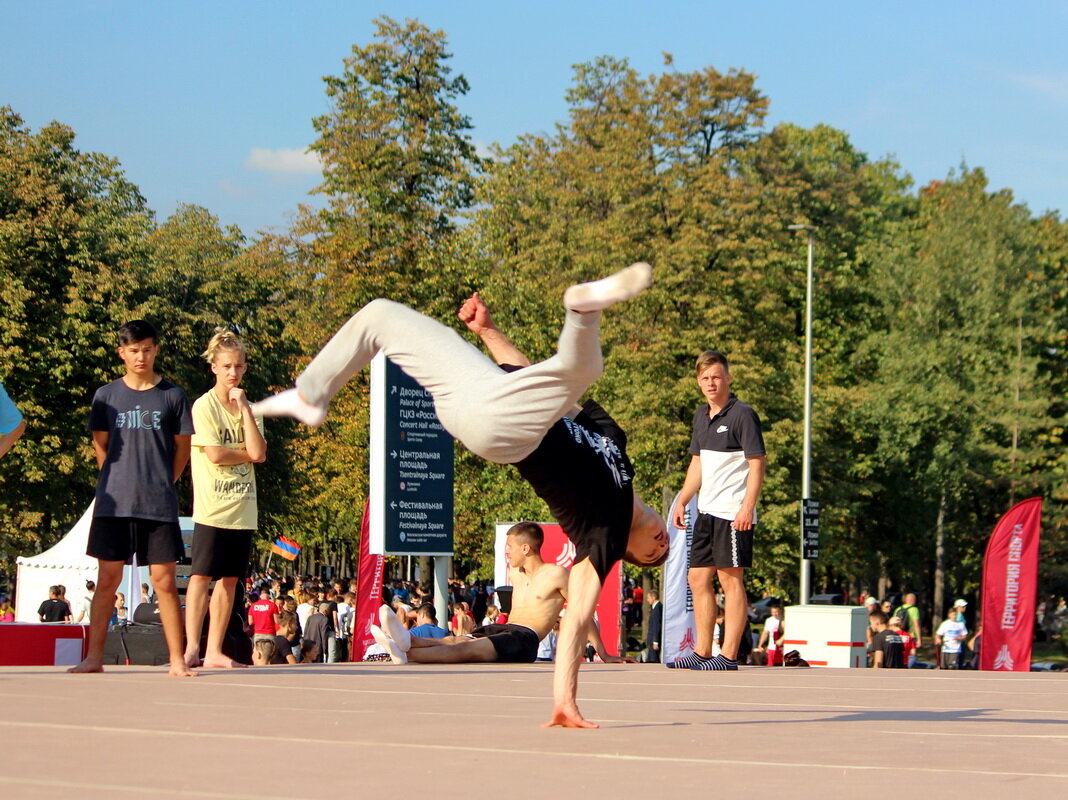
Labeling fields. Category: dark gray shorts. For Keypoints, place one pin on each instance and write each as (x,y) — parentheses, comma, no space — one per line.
(221,552)
(717,544)
(119,538)
(515,644)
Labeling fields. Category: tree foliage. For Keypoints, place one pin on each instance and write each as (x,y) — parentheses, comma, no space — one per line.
(956,400)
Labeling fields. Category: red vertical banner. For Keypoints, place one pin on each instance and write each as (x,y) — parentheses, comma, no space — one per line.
(1010,586)
(368,590)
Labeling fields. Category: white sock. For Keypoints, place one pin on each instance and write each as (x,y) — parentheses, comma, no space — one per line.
(393,627)
(598,295)
(290,404)
(396,655)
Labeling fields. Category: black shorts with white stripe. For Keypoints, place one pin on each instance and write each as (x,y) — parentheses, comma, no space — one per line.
(717,544)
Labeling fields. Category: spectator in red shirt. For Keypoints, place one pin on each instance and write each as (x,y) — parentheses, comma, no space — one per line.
(636,607)
(263,617)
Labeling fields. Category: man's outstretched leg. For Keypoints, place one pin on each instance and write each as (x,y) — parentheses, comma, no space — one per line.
(499,416)
(732,579)
(450,650)
(431,353)
(196,608)
(170,615)
(222,606)
(703,592)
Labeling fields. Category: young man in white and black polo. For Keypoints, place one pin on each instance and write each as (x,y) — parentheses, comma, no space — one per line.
(726,473)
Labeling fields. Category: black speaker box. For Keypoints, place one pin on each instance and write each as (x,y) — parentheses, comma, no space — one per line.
(136,644)
(146,645)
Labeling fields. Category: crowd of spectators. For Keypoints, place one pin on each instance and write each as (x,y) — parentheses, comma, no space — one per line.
(298,620)
(306,619)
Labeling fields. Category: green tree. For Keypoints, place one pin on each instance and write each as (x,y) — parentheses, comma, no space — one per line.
(953,383)
(1047,472)
(79,256)
(398,167)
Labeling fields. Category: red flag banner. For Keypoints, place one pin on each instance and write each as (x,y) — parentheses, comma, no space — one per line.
(1010,585)
(368,590)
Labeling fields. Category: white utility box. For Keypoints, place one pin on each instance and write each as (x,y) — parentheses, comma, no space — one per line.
(828,636)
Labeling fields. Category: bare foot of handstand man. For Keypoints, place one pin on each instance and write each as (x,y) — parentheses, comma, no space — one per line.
(578,465)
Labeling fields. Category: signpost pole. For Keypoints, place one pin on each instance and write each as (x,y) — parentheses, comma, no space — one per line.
(806,462)
(441,590)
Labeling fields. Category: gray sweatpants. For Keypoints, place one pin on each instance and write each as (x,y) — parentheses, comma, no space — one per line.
(500,416)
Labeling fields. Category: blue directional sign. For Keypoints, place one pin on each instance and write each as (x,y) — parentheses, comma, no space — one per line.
(411,468)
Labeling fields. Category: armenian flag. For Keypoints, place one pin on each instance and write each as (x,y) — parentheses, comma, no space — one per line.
(286,548)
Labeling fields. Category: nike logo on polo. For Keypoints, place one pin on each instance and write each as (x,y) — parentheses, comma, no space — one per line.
(721,429)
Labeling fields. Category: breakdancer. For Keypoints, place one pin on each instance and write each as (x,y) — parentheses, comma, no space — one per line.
(579,465)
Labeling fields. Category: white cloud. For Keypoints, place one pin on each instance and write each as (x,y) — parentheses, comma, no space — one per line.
(231,188)
(287,160)
(1051,87)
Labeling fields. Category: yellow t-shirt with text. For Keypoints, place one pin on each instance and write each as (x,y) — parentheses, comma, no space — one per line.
(224,495)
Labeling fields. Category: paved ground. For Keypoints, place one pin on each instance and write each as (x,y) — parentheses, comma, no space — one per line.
(371,730)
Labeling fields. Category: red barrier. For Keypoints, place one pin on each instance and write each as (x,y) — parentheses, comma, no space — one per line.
(28,644)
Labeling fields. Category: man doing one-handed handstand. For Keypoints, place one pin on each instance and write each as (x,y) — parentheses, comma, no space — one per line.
(578,466)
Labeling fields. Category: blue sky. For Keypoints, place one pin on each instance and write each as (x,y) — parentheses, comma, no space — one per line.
(211,102)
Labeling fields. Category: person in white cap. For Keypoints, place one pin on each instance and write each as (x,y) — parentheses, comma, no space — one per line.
(960,605)
(949,639)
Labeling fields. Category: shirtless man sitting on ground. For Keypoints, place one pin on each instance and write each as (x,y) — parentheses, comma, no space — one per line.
(539,591)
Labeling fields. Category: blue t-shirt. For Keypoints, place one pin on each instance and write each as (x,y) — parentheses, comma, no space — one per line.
(9,415)
(428,631)
(137,479)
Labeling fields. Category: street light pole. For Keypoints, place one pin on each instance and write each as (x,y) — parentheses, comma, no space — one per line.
(806,456)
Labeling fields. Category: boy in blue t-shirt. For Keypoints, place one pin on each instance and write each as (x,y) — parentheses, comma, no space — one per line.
(12,424)
(141,426)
